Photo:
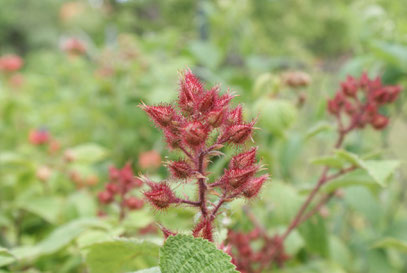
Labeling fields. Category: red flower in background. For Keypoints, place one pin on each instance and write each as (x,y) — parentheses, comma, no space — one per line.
(10,63)
(39,136)
(74,46)
(361,99)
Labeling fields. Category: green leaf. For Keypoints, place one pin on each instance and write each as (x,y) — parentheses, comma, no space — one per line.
(6,257)
(286,202)
(47,207)
(121,255)
(381,170)
(63,235)
(89,153)
(357,177)
(315,236)
(392,243)
(352,158)
(58,239)
(330,161)
(186,254)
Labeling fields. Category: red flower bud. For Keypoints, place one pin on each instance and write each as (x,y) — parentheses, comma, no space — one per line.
(254,185)
(364,80)
(236,115)
(105,197)
(243,160)
(112,188)
(238,134)
(195,133)
(162,115)
(172,139)
(333,107)
(207,103)
(126,174)
(114,173)
(238,177)
(379,121)
(350,108)
(160,195)
(39,136)
(349,87)
(393,93)
(216,117)
(134,203)
(180,169)
(190,88)
(10,63)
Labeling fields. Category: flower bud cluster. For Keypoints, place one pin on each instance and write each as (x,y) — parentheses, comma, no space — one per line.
(200,124)
(122,181)
(361,99)
(247,258)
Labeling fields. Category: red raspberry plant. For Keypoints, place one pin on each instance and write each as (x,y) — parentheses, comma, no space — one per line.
(199,125)
(122,181)
(355,105)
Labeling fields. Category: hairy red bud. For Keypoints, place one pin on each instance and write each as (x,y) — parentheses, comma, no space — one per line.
(239,133)
(238,177)
(180,169)
(254,185)
(195,133)
(236,115)
(243,160)
(162,115)
(160,195)
(207,103)
(216,117)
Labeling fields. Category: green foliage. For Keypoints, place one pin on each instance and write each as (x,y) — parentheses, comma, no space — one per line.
(121,255)
(183,253)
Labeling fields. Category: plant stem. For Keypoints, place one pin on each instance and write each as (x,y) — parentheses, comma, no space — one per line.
(321,181)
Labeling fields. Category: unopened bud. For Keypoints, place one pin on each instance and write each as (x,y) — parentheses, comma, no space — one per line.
(195,133)
(243,160)
(180,169)
(160,195)
(134,203)
(105,197)
(254,186)
(379,121)
(44,173)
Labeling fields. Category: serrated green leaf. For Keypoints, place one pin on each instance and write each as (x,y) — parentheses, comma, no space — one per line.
(121,255)
(392,243)
(186,254)
(357,177)
(89,153)
(381,170)
(352,158)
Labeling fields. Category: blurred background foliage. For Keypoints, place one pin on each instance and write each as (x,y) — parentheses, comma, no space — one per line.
(134,50)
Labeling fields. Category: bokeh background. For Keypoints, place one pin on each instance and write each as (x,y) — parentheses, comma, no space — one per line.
(78,70)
